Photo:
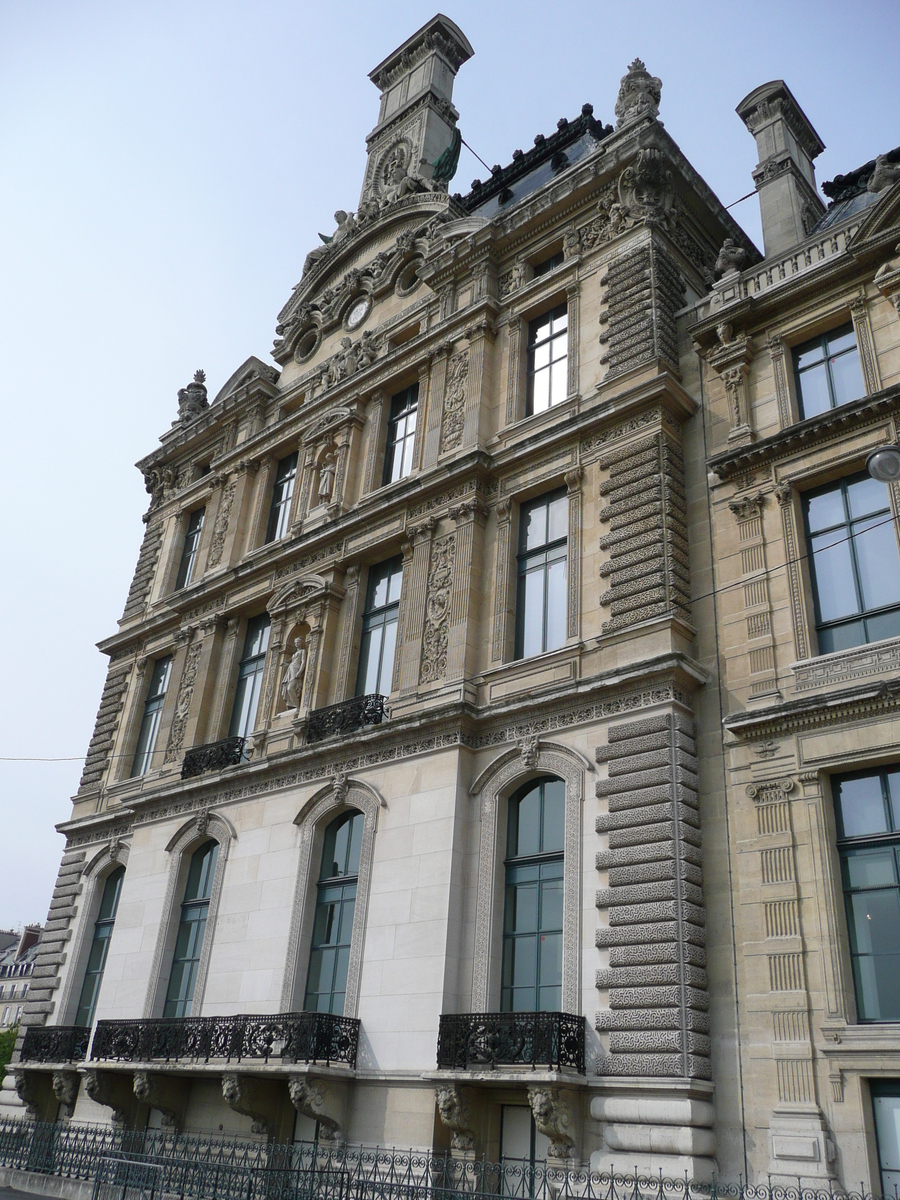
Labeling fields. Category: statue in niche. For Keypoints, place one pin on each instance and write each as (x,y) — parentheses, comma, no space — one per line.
(399,180)
(326,476)
(192,401)
(731,258)
(292,683)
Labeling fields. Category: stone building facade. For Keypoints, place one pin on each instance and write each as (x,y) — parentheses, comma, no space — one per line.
(408,818)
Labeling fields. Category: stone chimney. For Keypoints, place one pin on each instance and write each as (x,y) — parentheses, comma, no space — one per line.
(785,177)
(417,119)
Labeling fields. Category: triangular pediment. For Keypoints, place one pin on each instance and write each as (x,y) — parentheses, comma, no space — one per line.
(882,218)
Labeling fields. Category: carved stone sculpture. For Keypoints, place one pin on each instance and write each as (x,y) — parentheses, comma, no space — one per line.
(529,748)
(167,1095)
(645,192)
(884,175)
(454,1113)
(551,1116)
(113,1091)
(250,1098)
(28,1094)
(731,258)
(309,1097)
(327,469)
(639,94)
(292,683)
(65,1089)
(192,401)
(346,223)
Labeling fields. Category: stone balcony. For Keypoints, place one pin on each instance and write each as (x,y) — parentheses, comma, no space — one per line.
(346,717)
(551,1041)
(229,752)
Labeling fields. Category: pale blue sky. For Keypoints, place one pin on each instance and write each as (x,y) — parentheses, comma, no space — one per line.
(165,165)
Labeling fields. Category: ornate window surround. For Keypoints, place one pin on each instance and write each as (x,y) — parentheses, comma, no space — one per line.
(494,786)
(202,827)
(339,796)
(94,873)
(561,286)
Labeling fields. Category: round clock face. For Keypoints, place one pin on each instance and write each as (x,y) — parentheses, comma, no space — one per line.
(358,313)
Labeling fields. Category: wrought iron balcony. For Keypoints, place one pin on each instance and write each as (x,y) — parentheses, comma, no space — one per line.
(290,1037)
(473,1041)
(213,756)
(346,716)
(55,1043)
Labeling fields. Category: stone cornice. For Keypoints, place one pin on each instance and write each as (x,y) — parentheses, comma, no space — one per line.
(666,679)
(830,708)
(807,433)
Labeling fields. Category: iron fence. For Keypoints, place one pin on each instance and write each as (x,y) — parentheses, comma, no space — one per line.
(347,716)
(55,1043)
(542,1039)
(291,1037)
(213,757)
(162,1165)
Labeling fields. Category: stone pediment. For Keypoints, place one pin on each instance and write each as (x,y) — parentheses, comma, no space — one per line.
(367,262)
(882,218)
(251,371)
(296,594)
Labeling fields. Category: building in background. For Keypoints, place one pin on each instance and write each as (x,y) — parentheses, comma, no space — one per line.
(409,818)
(17,954)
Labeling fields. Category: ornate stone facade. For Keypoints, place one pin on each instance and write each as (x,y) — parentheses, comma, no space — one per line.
(703,958)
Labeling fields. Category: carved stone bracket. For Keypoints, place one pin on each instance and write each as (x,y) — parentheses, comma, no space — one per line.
(167,1095)
(887,280)
(29,1092)
(551,1116)
(251,1097)
(731,362)
(317,1100)
(65,1089)
(454,1114)
(113,1090)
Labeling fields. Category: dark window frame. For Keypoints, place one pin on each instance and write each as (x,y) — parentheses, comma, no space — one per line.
(190,546)
(823,341)
(251,668)
(543,556)
(401,435)
(336,896)
(95,964)
(837,534)
(191,933)
(148,733)
(380,616)
(553,338)
(282,494)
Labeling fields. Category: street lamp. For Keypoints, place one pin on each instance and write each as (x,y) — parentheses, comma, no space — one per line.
(883,464)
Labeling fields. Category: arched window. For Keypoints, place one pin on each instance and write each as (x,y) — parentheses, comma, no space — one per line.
(533,912)
(103,927)
(326,980)
(189,942)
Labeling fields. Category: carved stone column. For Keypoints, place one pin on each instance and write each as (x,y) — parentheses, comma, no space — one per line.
(887,280)
(573,586)
(274,662)
(415,576)
(177,705)
(222,692)
(402,615)
(775,346)
(748,512)
(464,597)
(307,457)
(376,438)
(260,502)
(868,360)
(199,728)
(455,403)
(34,1089)
(436,624)
(504,600)
(785,494)
(65,1088)
(431,444)
(731,361)
(573,294)
(454,1114)
(481,339)
(424,407)
(513,370)
(346,439)
(349,619)
(222,533)
(551,1116)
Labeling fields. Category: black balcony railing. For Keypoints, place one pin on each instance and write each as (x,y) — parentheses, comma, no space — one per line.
(213,757)
(290,1037)
(346,716)
(468,1041)
(55,1043)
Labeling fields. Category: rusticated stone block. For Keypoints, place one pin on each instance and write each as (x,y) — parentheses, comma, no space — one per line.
(627,817)
(658,997)
(633,729)
(654,975)
(646,835)
(652,871)
(643,893)
(618,801)
(651,759)
(663,775)
(654,1065)
(623,856)
(639,745)
(652,1018)
(657,952)
(660,1041)
(630,935)
(663,910)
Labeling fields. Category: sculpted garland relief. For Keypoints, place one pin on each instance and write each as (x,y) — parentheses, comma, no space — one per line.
(437,610)
(183,702)
(453,416)
(220,529)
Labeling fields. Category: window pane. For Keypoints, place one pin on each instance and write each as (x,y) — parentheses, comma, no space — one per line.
(893,787)
(525,824)
(814,394)
(861,807)
(533,531)
(551,959)
(883,625)
(834,638)
(538,329)
(846,378)
(870,868)
(887,1123)
(879,568)
(558,518)
(522,909)
(556,605)
(388,650)
(866,496)
(533,613)
(540,391)
(524,962)
(841,339)
(558,381)
(559,318)
(551,904)
(540,356)
(111,891)
(809,353)
(824,510)
(369,658)
(553,815)
(833,570)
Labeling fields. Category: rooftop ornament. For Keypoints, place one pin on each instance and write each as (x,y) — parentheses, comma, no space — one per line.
(639,94)
(192,400)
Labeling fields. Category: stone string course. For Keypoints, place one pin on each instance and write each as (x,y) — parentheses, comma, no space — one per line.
(657,1019)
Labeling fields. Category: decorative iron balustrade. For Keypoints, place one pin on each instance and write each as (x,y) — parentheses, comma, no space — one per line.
(210,1167)
(347,716)
(213,757)
(56,1043)
(541,1039)
(290,1037)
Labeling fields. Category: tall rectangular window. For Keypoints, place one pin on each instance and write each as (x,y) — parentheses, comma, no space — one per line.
(250,673)
(854,562)
(827,371)
(401,438)
(282,493)
(156,694)
(886,1110)
(189,549)
(191,930)
(548,344)
(329,958)
(868,825)
(542,565)
(379,630)
(103,927)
